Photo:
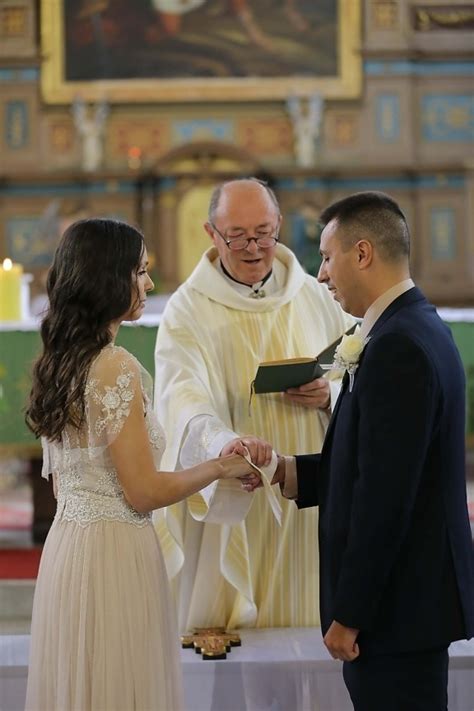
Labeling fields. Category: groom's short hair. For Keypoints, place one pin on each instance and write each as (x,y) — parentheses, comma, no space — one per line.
(374,216)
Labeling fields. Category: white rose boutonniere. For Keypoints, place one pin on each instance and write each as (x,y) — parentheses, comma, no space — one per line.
(348,353)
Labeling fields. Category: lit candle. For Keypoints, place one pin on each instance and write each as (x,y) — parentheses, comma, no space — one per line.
(10,291)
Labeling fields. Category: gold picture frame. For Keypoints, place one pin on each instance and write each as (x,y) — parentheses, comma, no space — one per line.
(57,90)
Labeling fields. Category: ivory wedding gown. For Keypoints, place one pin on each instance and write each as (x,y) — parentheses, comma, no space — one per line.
(103,635)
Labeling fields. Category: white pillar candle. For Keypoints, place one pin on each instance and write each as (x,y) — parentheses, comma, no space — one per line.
(10,291)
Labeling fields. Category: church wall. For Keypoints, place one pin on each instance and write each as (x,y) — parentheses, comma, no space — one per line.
(410,133)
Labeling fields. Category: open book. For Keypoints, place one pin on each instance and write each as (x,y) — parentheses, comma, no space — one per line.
(275,376)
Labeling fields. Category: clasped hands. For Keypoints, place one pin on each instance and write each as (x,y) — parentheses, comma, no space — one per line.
(339,640)
(259,451)
(315,394)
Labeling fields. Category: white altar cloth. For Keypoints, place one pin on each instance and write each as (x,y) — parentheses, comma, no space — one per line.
(274,670)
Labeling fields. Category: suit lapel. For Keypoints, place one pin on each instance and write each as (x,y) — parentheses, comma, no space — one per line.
(409,297)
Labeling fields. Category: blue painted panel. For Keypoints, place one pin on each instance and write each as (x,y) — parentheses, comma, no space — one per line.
(29,74)
(382,182)
(401,67)
(305,233)
(122,187)
(204,129)
(14,76)
(414,68)
(26,244)
(7,75)
(32,240)
(447,118)
(16,124)
(167,184)
(387,117)
(443,234)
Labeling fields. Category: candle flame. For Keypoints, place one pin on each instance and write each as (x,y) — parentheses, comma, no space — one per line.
(7,264)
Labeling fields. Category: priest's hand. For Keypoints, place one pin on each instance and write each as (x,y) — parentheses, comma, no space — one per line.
(341,642)
(259,450)
(314,394)
(235,466)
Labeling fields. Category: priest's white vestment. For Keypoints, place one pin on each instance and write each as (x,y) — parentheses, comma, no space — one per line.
(210,341)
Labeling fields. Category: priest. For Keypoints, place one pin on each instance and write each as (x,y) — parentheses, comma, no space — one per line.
(247,301)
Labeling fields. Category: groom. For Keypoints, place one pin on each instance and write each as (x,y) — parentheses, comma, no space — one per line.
(397,572)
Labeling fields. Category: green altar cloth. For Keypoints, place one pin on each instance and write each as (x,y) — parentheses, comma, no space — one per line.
(19,348)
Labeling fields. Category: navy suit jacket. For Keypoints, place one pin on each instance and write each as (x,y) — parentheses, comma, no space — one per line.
(396,557)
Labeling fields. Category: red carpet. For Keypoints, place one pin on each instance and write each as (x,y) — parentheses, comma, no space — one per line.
(19,563)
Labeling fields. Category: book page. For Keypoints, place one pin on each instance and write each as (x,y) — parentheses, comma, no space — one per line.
(287,361)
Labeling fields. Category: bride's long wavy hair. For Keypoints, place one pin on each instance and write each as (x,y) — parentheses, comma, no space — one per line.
(90,285)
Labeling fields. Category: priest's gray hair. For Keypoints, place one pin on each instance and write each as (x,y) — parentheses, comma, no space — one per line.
(374,216)
(217,192)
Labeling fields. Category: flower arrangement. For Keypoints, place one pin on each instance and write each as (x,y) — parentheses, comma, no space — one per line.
(348,353)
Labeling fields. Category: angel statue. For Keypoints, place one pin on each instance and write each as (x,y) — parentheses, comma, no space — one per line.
(90,125)
(306,123)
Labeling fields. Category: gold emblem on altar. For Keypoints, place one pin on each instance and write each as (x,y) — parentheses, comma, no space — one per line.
(211,642)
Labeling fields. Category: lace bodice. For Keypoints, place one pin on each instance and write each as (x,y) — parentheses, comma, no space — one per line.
(88,486)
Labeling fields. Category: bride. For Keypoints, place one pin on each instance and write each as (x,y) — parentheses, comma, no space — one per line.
(103,633)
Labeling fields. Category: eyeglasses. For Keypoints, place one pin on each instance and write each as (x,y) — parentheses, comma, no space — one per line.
(265,239)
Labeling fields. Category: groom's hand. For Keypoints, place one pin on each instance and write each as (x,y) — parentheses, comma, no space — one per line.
(259,450)
(341,642)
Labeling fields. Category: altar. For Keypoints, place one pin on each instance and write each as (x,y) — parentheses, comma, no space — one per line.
(285,669)
(20,344)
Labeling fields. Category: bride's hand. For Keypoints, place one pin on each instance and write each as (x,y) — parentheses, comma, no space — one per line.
(234,466)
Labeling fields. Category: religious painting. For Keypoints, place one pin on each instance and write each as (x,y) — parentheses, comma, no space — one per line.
(305,236)
(198,50)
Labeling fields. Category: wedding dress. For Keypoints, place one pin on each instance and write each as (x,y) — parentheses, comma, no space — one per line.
(103,635)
